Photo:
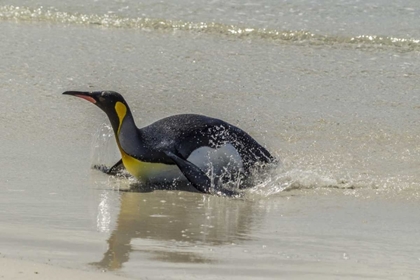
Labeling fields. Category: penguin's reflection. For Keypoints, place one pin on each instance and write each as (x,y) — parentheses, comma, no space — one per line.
(171,225)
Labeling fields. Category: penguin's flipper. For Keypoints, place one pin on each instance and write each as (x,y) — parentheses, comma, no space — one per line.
(110,171)
(195,175)
(115,168)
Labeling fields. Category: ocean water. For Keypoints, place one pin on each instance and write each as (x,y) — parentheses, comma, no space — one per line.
(329,87)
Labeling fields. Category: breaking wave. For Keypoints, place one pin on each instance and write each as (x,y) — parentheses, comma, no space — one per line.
(298,37)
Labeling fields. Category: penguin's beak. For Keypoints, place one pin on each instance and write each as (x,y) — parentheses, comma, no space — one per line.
(89,96)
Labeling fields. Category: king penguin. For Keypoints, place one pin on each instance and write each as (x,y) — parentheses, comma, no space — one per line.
(188,143)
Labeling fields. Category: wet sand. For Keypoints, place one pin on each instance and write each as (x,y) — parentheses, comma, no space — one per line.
(343,121)
(23,270)
(181,235)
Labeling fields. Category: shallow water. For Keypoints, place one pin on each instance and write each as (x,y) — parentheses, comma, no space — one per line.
(342,117)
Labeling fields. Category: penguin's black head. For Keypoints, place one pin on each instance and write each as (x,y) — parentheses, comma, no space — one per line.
(111,102)
(106,100)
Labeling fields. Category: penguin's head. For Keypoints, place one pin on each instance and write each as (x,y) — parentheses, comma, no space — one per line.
(111,102)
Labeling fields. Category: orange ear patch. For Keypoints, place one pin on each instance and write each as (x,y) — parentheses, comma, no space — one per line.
(121,112)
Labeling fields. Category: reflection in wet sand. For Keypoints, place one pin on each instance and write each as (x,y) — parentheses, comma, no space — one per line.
(174,226)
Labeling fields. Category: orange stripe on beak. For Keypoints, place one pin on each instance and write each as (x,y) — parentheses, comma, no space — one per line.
(88,98)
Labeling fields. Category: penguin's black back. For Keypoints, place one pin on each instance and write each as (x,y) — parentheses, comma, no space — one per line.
(185,133)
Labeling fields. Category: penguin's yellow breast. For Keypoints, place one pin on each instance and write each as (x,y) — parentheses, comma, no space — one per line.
(140,169)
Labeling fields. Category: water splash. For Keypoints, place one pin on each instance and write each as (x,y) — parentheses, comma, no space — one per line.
(323,179)
(104,150)
(280,180)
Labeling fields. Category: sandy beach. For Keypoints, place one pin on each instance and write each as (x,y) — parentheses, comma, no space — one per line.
(339,108)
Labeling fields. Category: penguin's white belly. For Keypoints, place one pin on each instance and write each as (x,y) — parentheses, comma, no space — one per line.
(223,159)
(213,162)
